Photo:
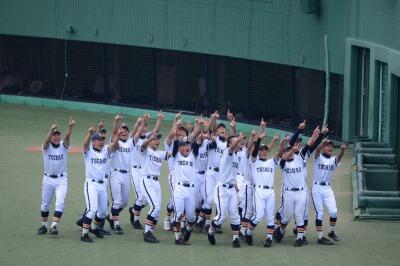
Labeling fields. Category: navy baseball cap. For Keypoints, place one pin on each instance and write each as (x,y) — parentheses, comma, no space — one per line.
(184,129)
(184,143)
(287,148)
(329,142)
(221,125)
(103,130)
(124,126)
(56,131)
(158,136)
(264,147)
(97,136)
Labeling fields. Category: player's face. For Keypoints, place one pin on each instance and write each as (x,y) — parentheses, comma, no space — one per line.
(221,132)
(182,133)
(184,150)
(154,144)
(328,150)
(298,145)
(98,144)
(263,154)
(124,135)
(55,139)
(144,130)
(286,153)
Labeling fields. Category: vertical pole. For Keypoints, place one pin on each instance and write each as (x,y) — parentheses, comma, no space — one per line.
(154,87)
(380,118)
(327,81)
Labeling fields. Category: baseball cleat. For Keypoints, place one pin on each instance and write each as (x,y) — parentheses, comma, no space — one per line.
(218,229)
(118,230)
(278,235)
(200,225)
(324,241)
(105,232)
(110,222)
(298,243)
(211,239)
(86,238)
(136,225)
(181,242)
(150,238)
(236,243)
(97,232)
(333,236)
(79,222)
(42,230)
(53,230)
(249,240)
(187,234)
(267,243)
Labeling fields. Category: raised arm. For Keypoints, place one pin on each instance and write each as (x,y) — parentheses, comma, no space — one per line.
(324,134)
(135,127)
(142,123)
(146,142)
(320,146)
(257,146)
(232,123)
(273,142)
(114,143)
(235,143)
(310,141)
(100,126)
(86,140)
(67,136)
(250,143)
(160,118)
(46,142)
(339,157)
(213,121)
(297,132)
(198,122)
(282,144)
(116,123)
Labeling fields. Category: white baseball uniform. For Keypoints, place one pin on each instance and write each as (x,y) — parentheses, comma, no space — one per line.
(200,175)
(95,187)
(136,173)
(245,185)
(151,170)
(55,179)
(322,193)
(171,179)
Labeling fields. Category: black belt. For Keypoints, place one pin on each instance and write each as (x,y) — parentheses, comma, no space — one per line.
(201,172)
(153,177)
(98,181)
(228,186)
(264,187)
(294,189)
(122,171)
(53,176)
(216,169)
(186,184)
(137,166)
(322,183)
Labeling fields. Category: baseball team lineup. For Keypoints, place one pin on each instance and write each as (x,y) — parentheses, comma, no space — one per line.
(210,165)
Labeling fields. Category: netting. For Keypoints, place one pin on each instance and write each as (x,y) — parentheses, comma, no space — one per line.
(168,80)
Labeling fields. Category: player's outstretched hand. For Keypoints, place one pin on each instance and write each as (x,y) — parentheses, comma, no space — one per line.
(118,117)
(316,131)
(160,115)
(53,127)
(91,130)
(276,138)
(302,125)
(325,129)
(72,122)
(229,115)
(263,124)
(233,122)
(242,136)
(215,115)
(261,135)
(343,146)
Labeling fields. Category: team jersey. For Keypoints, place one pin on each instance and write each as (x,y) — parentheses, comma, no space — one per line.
(170,160)
(323,168)
(55,159)
(216,149)
(293,172)
(263,171)
(184,168)
(121,157)
(96,162)
(136,155)
(152,161)
(228,168)
(202,158)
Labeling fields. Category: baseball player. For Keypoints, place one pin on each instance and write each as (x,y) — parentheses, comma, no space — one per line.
(321,191)
(263,173)
(96,157)
(151,170)
(139,134)
(55,178)
(225,193)
(184,192)
(119,174)
(215,150)
(294,189)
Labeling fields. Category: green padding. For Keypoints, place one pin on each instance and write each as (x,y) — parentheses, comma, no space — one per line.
(372,145)
(369,158)
(379,202)
(374,193)
(112,109)
(379,166)
(361,138)
(382,180)
(375,150)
